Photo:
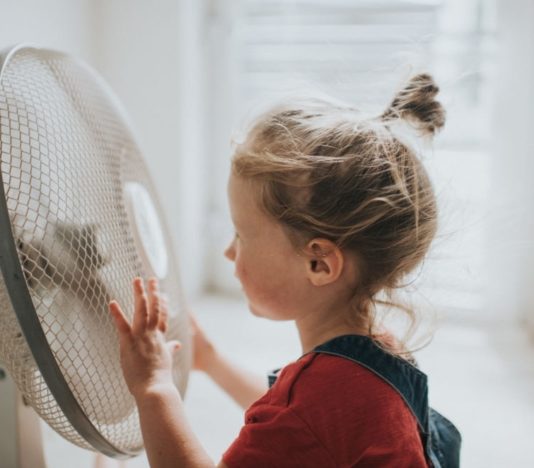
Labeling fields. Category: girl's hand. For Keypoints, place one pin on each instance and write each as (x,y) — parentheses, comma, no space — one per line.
(146,358)
(203,350)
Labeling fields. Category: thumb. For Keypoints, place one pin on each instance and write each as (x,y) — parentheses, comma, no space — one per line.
(173,346)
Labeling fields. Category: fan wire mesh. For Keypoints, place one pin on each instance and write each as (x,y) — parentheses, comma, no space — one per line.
(66,157)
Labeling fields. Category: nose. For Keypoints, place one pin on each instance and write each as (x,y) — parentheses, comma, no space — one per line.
(229,252)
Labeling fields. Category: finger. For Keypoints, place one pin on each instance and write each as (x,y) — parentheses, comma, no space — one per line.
(194,327)
(163,319)
(164,299)
(119,318)
(163,324)
(141,309)
(173,346)
(154,305)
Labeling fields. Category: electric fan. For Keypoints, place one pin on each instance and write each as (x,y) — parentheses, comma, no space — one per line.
(79,219)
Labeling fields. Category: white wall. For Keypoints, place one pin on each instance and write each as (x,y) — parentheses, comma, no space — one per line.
(511,246)
(151,54)
(60,24)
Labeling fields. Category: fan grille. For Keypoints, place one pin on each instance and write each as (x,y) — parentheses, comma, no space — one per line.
(66,158)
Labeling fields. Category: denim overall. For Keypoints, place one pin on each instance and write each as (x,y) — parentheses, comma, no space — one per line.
(441,439)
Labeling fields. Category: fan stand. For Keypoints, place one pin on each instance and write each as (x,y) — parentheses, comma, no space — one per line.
(21,444)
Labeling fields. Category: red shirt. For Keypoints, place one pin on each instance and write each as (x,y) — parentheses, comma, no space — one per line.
(327,411)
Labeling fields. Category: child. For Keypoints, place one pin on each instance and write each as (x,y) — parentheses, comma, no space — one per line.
(330,209)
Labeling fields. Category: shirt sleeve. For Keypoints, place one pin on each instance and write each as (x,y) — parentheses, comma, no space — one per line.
(275,437)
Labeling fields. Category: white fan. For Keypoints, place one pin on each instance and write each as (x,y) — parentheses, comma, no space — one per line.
(79,218)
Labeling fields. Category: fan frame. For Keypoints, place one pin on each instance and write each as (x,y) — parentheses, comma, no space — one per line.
(26,314)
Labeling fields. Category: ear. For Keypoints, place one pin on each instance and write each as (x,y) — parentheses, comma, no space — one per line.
(325,261)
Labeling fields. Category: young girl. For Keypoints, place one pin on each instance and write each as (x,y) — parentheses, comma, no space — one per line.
(330,209)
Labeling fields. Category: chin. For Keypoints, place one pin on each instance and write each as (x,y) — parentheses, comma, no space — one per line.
(266,313)
(254,311)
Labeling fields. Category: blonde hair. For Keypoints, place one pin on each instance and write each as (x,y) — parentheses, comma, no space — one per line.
(325,170)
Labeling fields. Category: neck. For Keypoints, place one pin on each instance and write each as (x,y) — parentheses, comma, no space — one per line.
(316,328)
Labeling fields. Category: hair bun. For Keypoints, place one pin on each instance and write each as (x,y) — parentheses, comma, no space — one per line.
(416,103)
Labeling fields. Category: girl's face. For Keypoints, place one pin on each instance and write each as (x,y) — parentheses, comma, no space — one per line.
(271,272)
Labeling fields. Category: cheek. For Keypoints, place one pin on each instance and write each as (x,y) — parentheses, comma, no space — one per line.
(240,269)
(243,273)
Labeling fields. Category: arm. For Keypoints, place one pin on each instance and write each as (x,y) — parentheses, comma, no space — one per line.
(169,440)
(146,361)
(243,386)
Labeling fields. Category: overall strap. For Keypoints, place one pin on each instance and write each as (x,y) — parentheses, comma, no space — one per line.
(405,378)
